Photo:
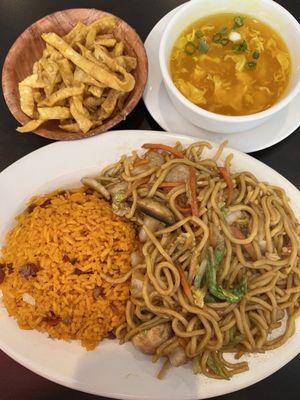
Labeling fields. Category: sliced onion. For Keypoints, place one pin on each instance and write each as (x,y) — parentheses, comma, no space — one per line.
(136,258)
(27,298)
(233,216)
(262,244)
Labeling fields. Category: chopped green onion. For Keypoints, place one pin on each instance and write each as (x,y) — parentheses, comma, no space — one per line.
(217,37)
(216,290)
(224,210)
(199,34)
(238,22)
(203,46)
(190,48)
(250,64)
(255,55)
(216,367)
(224,41)
(223,30)
(240,47)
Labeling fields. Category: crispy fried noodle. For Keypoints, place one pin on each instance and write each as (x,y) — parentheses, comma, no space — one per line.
(218,267)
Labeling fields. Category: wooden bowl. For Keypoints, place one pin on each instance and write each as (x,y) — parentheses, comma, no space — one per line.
(29,47)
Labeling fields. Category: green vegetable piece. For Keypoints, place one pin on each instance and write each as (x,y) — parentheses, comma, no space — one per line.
(190,48)
(215,366)
(224,41)
(203,46)
(197,281)
(223,30)
(219,254)
(200,275)
(255,55)
(216,290)
(240,47)
(241,290)
(199,34)
(210,299)
(117,200)
(217,37)
(238,22)
(250,65)
(198,296)
(226,294)
(224,211)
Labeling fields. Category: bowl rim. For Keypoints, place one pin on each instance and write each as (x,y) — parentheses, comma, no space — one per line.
(54,134)
(163,62)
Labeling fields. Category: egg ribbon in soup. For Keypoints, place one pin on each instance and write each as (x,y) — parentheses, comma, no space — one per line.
(231,64)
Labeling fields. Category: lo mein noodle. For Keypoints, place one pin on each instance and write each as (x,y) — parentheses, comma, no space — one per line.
(217,269)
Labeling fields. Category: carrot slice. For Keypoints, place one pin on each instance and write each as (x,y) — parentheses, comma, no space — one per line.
(184,283)
(140,161)
(228,180)
(193,184)
(248,247)
(164,147)
(170,184)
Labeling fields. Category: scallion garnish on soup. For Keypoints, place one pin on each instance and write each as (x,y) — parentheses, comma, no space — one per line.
(230,64)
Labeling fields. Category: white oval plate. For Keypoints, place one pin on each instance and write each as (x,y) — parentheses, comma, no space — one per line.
(165,114)
(112,370)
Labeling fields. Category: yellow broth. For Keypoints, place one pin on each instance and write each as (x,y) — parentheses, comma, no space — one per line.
(230,77)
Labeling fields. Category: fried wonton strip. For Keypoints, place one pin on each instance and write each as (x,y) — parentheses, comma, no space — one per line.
(66,71)
(96,71)
(34,68)
(109,104)
(119,49)
(127,62)
(50,75)
(86,53)
(37,95)
(62,94)
(78,101)
(54,112)
(96,91)
(26,100)
(81,76)
(106,23)
(93,102)
(52,53)
(32,81)
(30,126)
(105,36)
(70,127)
(77,34)
(83,122)
(105,41)
(111,62)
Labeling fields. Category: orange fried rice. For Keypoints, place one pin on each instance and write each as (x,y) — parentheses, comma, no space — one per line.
(51,264)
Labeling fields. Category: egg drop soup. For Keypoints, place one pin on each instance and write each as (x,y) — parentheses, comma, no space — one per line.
(231,64)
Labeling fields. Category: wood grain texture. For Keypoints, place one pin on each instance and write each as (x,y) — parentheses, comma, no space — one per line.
(29,47)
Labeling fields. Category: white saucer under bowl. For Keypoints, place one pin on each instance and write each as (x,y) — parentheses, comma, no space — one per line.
(165,114)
